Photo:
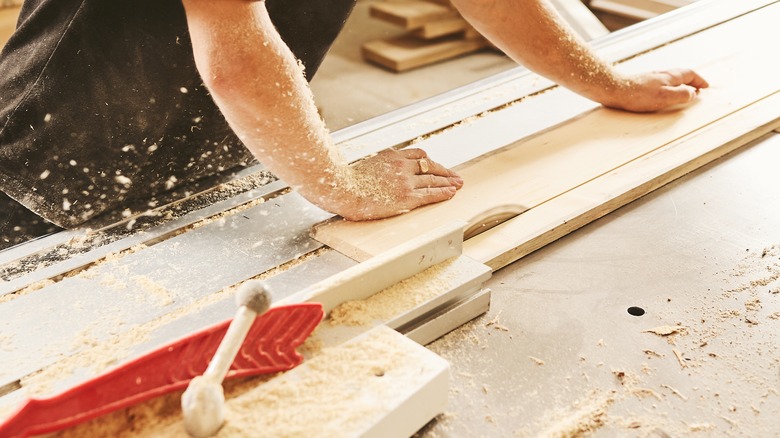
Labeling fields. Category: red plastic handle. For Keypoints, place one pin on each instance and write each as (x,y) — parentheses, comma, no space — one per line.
(269,347)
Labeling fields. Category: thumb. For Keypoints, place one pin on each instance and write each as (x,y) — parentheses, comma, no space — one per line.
(680,94)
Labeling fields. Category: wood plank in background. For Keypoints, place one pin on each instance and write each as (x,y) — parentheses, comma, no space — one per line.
(407,52)
(412,14)
(441,28)
(535,171)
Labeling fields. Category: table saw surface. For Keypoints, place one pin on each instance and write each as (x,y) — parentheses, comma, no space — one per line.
(660,319)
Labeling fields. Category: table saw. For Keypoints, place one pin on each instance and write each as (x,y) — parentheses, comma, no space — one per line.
(605,314)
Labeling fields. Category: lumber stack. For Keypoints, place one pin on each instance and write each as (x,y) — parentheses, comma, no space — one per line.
(435,31)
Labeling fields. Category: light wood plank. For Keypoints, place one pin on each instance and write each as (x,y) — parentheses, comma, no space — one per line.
(411,14)
(535,171)
(407,52)
(441,28)
(571,210)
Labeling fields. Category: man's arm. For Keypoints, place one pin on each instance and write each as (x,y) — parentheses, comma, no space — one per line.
(532,33)
(261,90)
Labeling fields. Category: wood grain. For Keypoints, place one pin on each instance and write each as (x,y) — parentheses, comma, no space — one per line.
(535,171)
(408,52)
(411,14)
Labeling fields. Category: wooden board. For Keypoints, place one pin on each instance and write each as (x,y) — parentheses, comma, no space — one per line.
(407,52)
(544,167)
(411,14)
(569,211)
(440,28)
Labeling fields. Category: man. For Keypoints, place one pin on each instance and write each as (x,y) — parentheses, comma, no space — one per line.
(102,103)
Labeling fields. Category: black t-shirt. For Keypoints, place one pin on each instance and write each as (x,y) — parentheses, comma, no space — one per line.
(101,103)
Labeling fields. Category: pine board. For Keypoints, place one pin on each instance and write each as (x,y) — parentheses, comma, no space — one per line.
(407,52)
(534,171)
(441,28)
(411,14)
(584,204)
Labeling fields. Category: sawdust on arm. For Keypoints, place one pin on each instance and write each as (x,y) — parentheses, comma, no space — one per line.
(262,91)
(532,33)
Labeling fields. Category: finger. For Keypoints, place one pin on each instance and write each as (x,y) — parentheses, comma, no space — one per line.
(684,76)
(427,181)
(413,153)
(680,94)
(437,169)
(432,195)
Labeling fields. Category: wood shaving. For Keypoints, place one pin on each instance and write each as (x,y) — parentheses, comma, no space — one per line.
(586,417)
(676,392)
(645,392)
(666,330)
(680,358)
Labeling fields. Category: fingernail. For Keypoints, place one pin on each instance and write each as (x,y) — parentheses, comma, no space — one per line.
(456,180)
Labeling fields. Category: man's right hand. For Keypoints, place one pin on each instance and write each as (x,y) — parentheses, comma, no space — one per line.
(390,183)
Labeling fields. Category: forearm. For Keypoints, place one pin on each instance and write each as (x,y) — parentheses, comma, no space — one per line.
(532,33)
(261,90)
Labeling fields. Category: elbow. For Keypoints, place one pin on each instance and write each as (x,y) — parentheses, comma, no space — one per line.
(220,78)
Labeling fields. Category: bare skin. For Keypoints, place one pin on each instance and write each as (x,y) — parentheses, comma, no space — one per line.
(532,33)
(260,88)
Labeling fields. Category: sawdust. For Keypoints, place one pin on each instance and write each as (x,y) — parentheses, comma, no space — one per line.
(280,410)
(402,296)
(753,305)
(99,347)
(674,391)
(666,330)
(146,284)
(583,418)
(38,285)
(361,365)
(680,358)
(175,205)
